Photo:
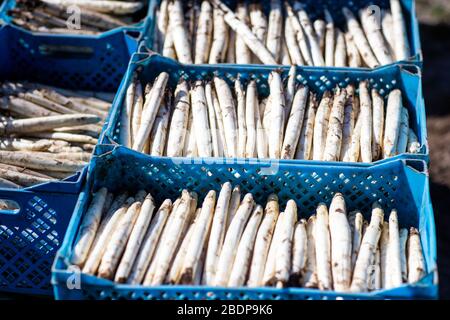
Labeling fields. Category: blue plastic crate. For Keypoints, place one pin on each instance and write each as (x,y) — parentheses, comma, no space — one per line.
(138,27)
(405,77)
(315,10)
(30,238)
(401,184)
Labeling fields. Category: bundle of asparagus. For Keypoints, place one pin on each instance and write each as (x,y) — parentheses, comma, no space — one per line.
(57,16)
(47,133)
(232,242)
(210,32)
(210,119)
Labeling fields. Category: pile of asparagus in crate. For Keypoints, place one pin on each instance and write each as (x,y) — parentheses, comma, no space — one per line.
(214,119)
(210,32)
(63,16)
(47,133)
(235,242)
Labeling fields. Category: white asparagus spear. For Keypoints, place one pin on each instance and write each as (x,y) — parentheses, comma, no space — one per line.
(217,234)
(400,35)
(320,30)
(384,244)
(283,256)
(387,29)
(179,32)
(378,124)
(333,140)
(241,118)
(190,144)
(323,248)
(150,109)
(203,38)
(394,265)
(366,122)
(220,38)
(65,136)
(125,116)
(353,56)
(268,278)
(20,144)
(262,242)
(228,110)
(403,240)
(371,24)
(295,122)
(340,55)
(261,137)
(135,240)
(138,103)
(173,277)
(232,238)
(105,231)
(231,49)
(300,35)
(341,244)
(221,142)
(304,147)
(276,115)
(158,135)
(198,240)
(118,241)
(413,142)
(169,243)
(275,27)
(40,124)
(150,242)
(235,202)
(367,250)
(307,26)
(243,54)
(416,260)
(392,123)
(217,148)
(289,92)
(349,121)
(402,143)
(329,39)
(201,122)
(179,121)
(290,38)
(162,23)
(168,46)
(309,280)
(356,220)
(360,39)
(250,39)
(249,126)
(244,251)
(88,228)
(353,152)
(321,126)
(299,252)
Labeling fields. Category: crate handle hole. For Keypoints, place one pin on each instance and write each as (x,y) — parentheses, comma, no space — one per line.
(10,207)
(66,51)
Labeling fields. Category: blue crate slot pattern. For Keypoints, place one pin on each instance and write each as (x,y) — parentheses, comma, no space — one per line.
(404,77)
(29,241)
(400,184)
(315,11)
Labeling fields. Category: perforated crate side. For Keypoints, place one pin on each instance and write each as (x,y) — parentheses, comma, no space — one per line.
(400,184)
(30,238)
